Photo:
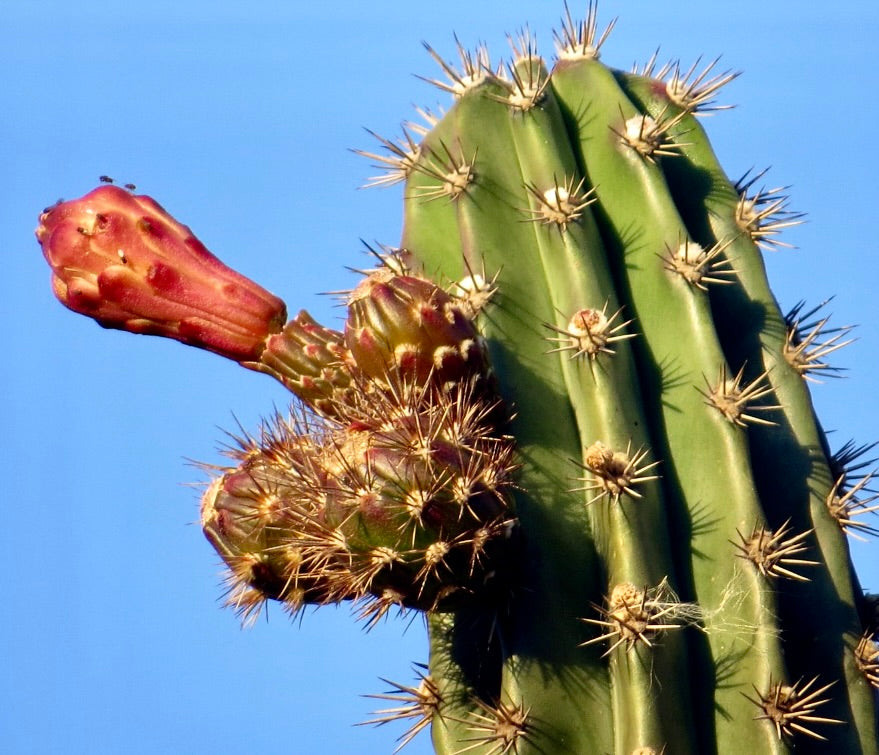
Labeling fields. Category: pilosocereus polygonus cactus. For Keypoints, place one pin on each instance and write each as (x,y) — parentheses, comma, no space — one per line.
(566,420)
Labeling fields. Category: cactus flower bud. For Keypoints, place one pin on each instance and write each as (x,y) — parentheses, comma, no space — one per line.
(251,516)
(124,261)
(400,324)
(310,360)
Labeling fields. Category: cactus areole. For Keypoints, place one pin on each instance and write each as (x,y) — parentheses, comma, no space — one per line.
(566,420)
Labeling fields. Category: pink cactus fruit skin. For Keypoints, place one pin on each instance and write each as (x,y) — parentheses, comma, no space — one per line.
(124,261)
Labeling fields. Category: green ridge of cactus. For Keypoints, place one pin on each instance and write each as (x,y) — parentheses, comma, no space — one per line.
(567,420)
(632,217)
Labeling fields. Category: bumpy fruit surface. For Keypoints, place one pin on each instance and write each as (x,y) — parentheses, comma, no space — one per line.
(124,261)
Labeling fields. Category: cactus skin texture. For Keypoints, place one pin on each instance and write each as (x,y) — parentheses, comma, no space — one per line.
(566,420)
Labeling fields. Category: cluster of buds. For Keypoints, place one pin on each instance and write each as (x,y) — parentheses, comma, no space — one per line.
(400,500)
(389,484)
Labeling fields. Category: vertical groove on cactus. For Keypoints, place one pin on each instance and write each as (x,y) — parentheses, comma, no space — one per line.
(640,221)
(566,420)
(757,336)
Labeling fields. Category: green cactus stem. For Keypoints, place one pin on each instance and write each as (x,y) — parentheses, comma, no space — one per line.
(566,420)
(798,483)
(624,221)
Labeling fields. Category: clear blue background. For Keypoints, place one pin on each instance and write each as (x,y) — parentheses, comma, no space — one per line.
(238,118)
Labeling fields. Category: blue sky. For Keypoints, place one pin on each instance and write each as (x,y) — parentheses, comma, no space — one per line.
(238,117)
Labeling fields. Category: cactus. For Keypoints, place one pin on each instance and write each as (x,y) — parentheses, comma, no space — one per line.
(566,421)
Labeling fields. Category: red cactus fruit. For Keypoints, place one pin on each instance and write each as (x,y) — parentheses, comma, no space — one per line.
(124,261)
